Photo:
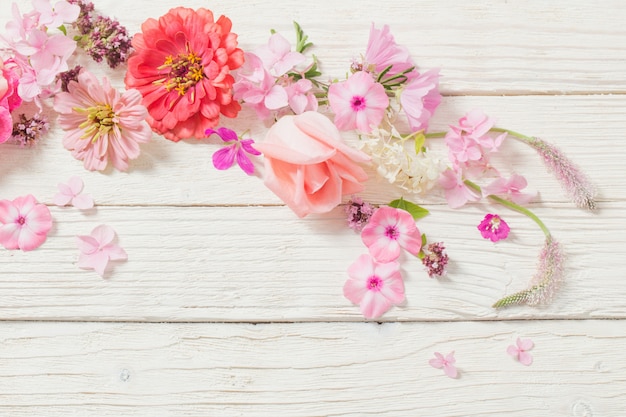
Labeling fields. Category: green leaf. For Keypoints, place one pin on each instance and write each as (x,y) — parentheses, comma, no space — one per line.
(416,211)
(420,139)
(62,29)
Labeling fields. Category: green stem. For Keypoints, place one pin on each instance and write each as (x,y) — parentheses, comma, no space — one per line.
(513,206)
(513,133)
(434,135)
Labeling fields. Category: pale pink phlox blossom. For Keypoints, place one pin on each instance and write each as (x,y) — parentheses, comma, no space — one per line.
(447,363)
(382,51)
(519,351)
(71,193)
(419,99)
(494,228)
(358,102)
(470,140)
(225,157)
(456,191)
(98,248)
(300,97)
(510,188)
(277,56)
(55,16)
(388,230)
(24,223)
(374,286)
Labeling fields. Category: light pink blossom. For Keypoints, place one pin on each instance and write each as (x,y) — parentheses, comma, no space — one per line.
(511,188)
(456,191)
(24,223)
(277,56)
(383,51)
(358,103)
(420,98)
(374,286)
(447,363)
(71,193)
(492,227)
(98,248)
(300,97)
(470,140)
(388,230)
(54,16)
(519,351)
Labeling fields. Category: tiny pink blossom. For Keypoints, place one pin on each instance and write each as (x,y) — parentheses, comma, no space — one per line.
(71,193)
(456,191)
(383,51)
(494,228)
(225,157)
(54,16)
(300,97)
(420,98)
(511,188)
(24,223)
(277,56)
(447,363)
(358,103)
(374,285)
(470,140)
(98,248)
(388,230)
(519,351)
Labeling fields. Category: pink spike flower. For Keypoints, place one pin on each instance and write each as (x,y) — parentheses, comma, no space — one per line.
(24,223)
(388,230)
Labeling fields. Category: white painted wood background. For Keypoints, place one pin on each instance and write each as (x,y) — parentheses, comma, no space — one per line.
(229,305)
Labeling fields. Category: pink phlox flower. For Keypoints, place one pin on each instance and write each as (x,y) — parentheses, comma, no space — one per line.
(71,193)
(447,363)
(24,223)
(225,157)
(511,188)
(54,16)
(358,103)
(277,56)
(98,248)
(492,227)
(300,97)
(388,230)
(382,51)
(520,351)
(456,191)
(420,98)
(470,140)
(374,286)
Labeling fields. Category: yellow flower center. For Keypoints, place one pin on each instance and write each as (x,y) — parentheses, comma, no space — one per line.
(99,122)
(184,71)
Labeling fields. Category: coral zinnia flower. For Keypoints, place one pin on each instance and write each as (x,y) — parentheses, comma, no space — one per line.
(100,123)
(181,65)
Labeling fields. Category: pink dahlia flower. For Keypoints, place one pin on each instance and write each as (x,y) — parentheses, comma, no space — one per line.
(24,223)
(101,123)
(181,65)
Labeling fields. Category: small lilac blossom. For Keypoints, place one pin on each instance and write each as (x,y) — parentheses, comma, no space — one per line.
(53,16)
(28,131)
(225,157)
(511,188)
(98,248)
(435,259)
(494,228)
(447,363)
(519,351)
(277,56)
(359,213)
(300,97)
(388,230)
(71,193)
(358,103)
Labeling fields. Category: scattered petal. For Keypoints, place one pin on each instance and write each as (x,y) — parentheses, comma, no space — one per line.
(520,351)
(70,193)
(98,248)
(446,363)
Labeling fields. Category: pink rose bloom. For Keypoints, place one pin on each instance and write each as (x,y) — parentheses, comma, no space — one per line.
(24,223)
(374,286)
(388,230)
(307,164)
(358,103)
(420,98)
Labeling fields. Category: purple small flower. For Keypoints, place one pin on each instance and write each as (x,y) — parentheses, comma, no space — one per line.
(494,228)
(359,213)
(435,259)
(225,157)
(28,131)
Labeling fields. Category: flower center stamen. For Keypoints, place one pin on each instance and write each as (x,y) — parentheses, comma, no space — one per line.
(391,232)
(357,103)
(21,220)
(100,121)
(374,283)
(184,71)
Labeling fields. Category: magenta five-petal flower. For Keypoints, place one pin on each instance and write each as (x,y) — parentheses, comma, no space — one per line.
(520,351)
(71,193)
(373,285)
(98,248)
(225,157)
(447,363)
(494,228)
(388,230)
(24,223)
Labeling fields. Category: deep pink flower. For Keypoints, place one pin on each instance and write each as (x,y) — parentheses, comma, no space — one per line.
(98,248)
(383,51)
(494,228)
(71,193)
(420,98)
(358,103)
(456,191)
(511,188)
(373,285)
(520,351)
(447,363)
(101,123)
(225,157)
(24,223)
(388,230)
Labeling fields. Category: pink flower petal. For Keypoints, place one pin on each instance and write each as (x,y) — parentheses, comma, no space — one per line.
(450,370)
(9,235)
(525,358)
(29,239)
(103,234)
(83,202)
(525,344)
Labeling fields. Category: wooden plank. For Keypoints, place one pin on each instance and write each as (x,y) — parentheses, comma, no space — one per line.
(311,369)
(261,264)
(586,128)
